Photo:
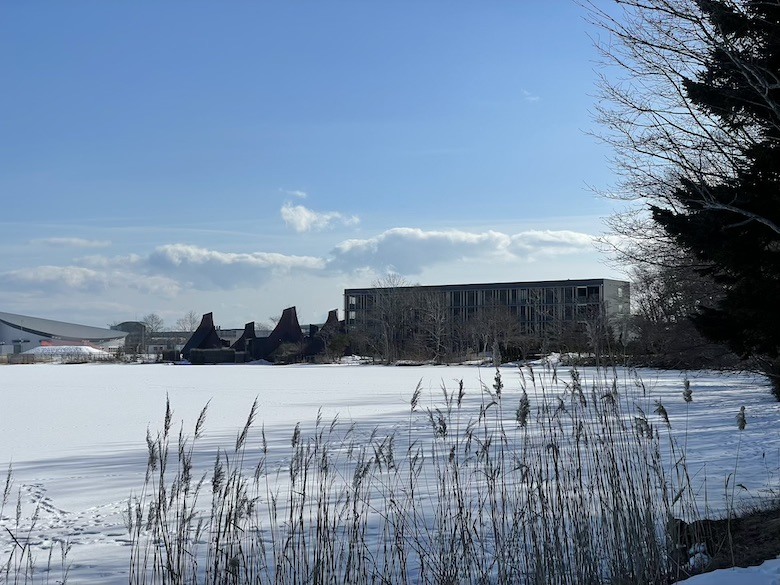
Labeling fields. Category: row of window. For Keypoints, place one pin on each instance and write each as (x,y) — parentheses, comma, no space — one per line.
(538,313)
(514,296)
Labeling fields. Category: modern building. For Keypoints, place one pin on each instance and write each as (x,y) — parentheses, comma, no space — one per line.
(19,333)
(141,341)
(538,305)
(135,338)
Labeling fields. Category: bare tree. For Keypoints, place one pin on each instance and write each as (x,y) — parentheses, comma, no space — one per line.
(336,344)
(390,313)
(153,323)
(496,327)
(691,105)
(653,51)
(434,323)
(189,322)
(665,297)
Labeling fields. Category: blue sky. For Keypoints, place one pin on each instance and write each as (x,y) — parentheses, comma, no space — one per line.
(241,157)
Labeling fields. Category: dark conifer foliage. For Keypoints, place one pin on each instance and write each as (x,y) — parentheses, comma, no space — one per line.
(731,222)
(693,116)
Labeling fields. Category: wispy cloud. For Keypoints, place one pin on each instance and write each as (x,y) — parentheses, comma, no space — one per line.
(302,219)
(50,279)
(201,268)
(72,242)
(551,243)
(530,97)
(296,193)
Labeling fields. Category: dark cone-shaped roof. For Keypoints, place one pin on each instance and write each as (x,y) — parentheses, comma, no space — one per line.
(287,330)
(332,324)
(242,342)
(205,337)
(319,341)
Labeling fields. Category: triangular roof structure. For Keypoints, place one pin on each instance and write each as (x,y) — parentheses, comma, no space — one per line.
(287,330)
(242,342)
(318,342)
(205,337)
(332,322)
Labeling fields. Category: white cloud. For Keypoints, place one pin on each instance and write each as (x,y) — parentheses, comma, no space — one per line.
(548,242)
(297,193)
(302,219)
(177,255)
(410,250)
(73,242)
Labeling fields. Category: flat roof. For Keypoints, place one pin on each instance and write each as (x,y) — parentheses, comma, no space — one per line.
(59,329)
(497,285)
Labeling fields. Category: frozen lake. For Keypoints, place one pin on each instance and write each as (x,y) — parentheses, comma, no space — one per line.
(75,434)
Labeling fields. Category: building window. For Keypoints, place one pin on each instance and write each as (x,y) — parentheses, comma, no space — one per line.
(620,292)
(352,301)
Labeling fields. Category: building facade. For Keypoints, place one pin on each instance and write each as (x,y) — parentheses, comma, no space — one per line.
(19,333)
(538,306)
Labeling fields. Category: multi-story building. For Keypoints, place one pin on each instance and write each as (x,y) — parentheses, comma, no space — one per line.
(538,305)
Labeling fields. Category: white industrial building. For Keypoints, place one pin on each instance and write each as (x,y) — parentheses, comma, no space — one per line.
(19,333)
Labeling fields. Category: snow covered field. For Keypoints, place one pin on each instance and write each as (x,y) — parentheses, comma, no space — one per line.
(75,434)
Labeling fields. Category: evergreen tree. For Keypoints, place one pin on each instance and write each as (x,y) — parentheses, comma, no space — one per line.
(731,222)
(694,117)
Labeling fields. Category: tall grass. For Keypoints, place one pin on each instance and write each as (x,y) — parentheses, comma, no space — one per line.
(19,563)
(562,480)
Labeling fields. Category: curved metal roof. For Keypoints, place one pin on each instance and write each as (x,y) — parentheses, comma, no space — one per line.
(59,329)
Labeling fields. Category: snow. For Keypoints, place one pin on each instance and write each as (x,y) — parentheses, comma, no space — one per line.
(76,434)
(66,349)
(766,574)
(69,352)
